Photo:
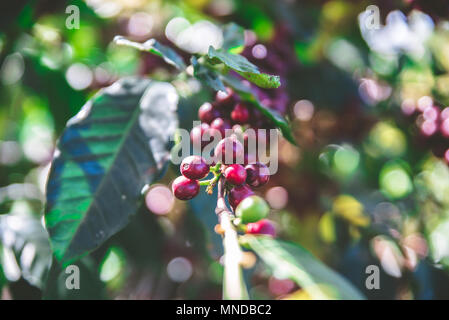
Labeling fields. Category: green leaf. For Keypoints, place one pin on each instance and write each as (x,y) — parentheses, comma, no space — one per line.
(153,46)
(234,61)
(207,76)
(247,95)
(233,37)
(245,68)
(117,143)
(26,251)
(294,262)
(262,80)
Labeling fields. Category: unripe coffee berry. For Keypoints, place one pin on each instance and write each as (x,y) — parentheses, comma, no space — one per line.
(194,167)
(252,209)
(235,174)
(263,226)
(239,193)
(184,188)
(257,174)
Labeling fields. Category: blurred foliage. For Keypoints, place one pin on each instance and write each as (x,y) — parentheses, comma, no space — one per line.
(367,184)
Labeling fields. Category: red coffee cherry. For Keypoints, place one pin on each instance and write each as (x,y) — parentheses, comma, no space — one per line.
(238,193)
(229,150)
(197,133)
(184,188)
(240,114)
(235,174)
(257,174)
(263,226)
(225,99)
(221,125)
(207,112)
(194,167)
(444,128)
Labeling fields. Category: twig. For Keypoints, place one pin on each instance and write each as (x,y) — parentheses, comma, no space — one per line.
(234,286)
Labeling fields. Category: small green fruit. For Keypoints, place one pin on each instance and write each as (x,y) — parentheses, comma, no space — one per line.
(252,209)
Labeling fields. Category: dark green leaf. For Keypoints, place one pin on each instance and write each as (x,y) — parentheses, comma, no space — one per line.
(246,94)
(153,46)
(234,61)
(25,245)
(207,76)
(245,68)
(233,37)
(296,263)
(116,144)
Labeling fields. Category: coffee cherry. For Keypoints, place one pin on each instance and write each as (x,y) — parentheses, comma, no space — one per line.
(428,128)
(207,112)
(221,125)
(257,174)
(229,150)
(249,158)
(194,167)
(197,133)
(238,193)
(184,188)
(263,226)
(235,174)
(240,114)
(252,209)
(225,99)
(444,129)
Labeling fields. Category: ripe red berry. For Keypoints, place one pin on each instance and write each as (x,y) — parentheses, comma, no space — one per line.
(240,114)
(197,133)
(238,193)
(428,128)
(221,125)
(207,112)
(229,151)
(263,226)
(235,174)
(257,174)
(194,167)
(444,129)
(225,99)
(249,158)
(184,188)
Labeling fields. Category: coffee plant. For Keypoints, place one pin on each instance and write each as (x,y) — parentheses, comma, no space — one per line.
(119,144)
(243,149)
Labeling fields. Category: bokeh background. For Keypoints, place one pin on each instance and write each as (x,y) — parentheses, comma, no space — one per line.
(367,184)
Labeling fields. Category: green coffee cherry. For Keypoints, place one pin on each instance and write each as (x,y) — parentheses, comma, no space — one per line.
(252,209)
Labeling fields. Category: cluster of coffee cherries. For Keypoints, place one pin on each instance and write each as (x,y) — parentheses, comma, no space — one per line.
(433,123)
(227,117)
